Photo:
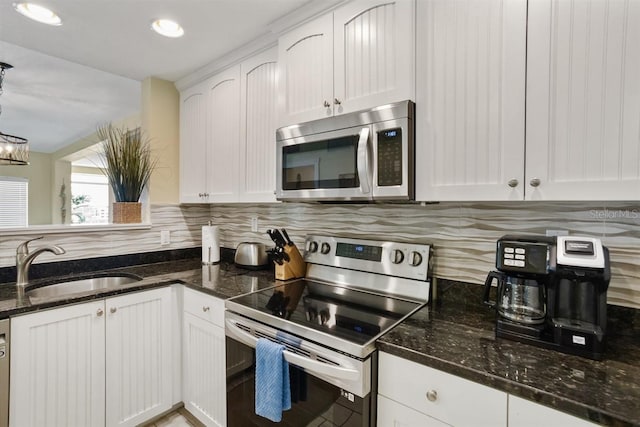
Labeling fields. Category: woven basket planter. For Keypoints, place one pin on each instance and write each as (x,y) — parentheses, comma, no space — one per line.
(127,212)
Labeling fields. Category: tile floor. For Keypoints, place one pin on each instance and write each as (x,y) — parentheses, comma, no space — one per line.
(174,419)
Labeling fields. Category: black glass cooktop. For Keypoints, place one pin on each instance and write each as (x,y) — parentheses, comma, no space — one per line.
(354,315)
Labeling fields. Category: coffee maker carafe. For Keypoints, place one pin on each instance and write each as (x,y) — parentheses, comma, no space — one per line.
(551,292)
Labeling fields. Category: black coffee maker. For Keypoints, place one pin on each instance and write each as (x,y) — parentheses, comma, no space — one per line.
(552,292)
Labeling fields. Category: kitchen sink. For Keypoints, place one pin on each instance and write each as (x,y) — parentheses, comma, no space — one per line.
(82,285)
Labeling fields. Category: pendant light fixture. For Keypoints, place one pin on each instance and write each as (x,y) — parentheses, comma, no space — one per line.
(14,150)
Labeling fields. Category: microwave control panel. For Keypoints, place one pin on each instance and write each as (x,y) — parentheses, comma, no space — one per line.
(390,157)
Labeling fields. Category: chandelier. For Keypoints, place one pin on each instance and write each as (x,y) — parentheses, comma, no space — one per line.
(14,150)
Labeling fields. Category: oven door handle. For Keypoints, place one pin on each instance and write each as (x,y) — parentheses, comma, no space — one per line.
(363,160)
(313,366)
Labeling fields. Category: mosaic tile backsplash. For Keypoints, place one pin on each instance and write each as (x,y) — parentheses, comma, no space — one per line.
(463,234)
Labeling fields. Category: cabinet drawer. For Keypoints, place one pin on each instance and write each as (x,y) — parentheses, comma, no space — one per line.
(204,306)
(392,413)
(524,413)
(448,398)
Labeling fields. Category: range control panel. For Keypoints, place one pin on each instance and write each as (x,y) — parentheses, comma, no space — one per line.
(409,260)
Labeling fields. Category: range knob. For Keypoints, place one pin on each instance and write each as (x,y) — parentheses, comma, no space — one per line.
(313,246)
(325,248)
(397,256)
(415,259)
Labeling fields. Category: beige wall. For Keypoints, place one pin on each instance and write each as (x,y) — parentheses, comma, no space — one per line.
(161,122)
(38,172)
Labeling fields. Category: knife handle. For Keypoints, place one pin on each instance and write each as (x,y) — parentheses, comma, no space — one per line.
(286,236)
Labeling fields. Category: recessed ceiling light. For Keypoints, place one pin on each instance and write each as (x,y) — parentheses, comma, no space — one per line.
(167,28)
(38,13)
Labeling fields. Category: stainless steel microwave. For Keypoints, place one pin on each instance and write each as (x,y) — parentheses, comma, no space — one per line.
(362,156)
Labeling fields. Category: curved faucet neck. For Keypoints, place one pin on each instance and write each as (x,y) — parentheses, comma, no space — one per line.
(24,258)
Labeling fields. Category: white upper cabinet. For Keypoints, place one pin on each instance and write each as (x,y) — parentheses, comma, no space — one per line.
(228,134)
(583,100)
(470,99)
(373,54)
(305,58)
(358,57)
(258,128)
(193,144)
(223,133)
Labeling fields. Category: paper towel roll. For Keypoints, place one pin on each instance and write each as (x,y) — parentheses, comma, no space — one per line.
(210,244)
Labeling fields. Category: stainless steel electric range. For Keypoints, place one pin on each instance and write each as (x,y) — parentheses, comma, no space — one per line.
(354,291)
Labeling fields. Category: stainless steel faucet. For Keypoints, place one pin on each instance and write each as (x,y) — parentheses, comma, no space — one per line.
(24,258)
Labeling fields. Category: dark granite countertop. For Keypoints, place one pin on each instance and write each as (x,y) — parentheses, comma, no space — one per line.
(456,335)
(223,280)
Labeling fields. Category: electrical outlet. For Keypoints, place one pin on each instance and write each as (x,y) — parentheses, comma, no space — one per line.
(254,223)
(165,237)
(551,233)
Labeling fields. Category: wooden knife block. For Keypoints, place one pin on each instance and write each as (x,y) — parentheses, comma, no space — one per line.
(295,268)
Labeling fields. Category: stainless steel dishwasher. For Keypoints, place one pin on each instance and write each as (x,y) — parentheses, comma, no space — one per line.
(4,372)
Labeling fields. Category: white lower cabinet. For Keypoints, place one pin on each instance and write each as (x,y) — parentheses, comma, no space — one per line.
(414,395)
(445,397)
(105,362)
(524,413)
(139,358)
(203,369)
(394,414)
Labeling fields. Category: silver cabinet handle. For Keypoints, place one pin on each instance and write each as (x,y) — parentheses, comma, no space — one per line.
(205,309)
(113,310)
(534,182)
(100,312)
(513,183)
(326,104)
(337,101)
(432,395)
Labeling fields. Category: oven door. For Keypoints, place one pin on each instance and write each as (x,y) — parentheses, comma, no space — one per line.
(332,165)
(327,388)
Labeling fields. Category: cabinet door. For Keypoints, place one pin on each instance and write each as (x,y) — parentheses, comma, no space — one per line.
(139,361)
(393,414)
(524,413)
(305,77)
(441,395)
(57,367)
(193,145)
(373,54)
(258,128)
(204,370)
(583,100)
(470,99)
(223,134)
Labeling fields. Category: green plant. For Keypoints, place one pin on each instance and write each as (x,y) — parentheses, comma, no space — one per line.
(126,161)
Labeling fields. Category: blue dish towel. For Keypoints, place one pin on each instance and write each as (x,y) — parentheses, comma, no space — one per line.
(273,393)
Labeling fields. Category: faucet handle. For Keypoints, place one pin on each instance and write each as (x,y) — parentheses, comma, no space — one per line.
(23,248)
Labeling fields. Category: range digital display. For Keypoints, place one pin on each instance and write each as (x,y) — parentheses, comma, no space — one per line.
(370,253)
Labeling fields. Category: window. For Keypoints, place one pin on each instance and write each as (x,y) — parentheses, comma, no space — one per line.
(89,199)
(14,202)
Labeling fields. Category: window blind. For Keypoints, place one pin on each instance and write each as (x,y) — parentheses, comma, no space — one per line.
(14,204)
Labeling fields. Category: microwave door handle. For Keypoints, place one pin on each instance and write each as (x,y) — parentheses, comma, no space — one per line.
(363,160)
(312,366)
